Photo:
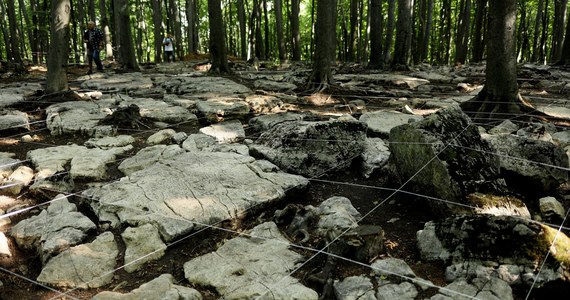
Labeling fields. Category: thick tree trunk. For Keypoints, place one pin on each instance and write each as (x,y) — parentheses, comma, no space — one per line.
(376,60)
(176,27)
(325,43)
(158,35)
(91,10)
(499,99)
(123,31)
(56,78)
(217,38)
(279,28)
(295,31)
(243,29)
(404,33)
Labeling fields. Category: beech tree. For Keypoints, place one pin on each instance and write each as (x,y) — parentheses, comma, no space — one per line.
(325,44)
(217,38)
(56,79)
(404,33)
(124,35)
(500,97)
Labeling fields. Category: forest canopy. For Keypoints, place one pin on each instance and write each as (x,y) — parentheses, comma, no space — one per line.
(443,31)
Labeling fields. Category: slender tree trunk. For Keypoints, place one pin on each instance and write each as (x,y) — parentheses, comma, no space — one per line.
(34,33)
(352,33)
(91,9)
(390,31)
(158,35)
(29,27)
(536,32)
(140,28)
(217,38)
(75,43)
(242,29)
(191,19)
(176,26)
(376,60)
(479,34)
(259,46)
(427,32)
(565,53)
(56,78)
(44,36)
(404,33)
(127,55)
(5,33)
(15,38)
(106,30)
(279,29)
(558,32)
(267,52)
(295,31)
(462,41)
(544,35)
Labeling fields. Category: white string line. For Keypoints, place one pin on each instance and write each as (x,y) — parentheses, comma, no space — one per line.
(431,198)
(37,283)
(368,213)
(185,220)
(24,125)
(206,225)
(21,134)
(547,254)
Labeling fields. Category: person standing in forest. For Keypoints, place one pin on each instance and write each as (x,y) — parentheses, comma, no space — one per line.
(168,43)
(93,37)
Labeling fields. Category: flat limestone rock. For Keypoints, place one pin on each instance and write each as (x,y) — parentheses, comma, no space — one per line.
(251,267)
(162,287)
(188,189)
(85,266)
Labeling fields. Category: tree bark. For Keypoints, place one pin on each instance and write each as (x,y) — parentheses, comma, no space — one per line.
(127,55)
(279,28)
(499,98)
(5,33)
(479,32)
(352,33)
(404,33)
(106,30)
(158,35)
(389,31)
(176,25)
(56,78)
(565,53)
(376,60)
(536,33)
(558,29)
(28,26)
(243,28)
(325,43)
(15,38)
(217,38)
(295,31)
(462,40)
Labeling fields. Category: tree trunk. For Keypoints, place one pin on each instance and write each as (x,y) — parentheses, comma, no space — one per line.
(389,31)
(158,35)
(295,32)
(352,33)
(176,26)
(91,10)
(325,43)
(267,48)
(404,33)
(123,31)
(34,32)
(376,60)
(558,29)
(544,36)
(56,78)
(565,53)
(5,33)
(106,30)
(28,26)
(463,27)
(279,28)
(499,99)
(74,35)
(15,38)
(479,33)
(44,36)
(217,38)
(242,29)
(140,27)
(536,33)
